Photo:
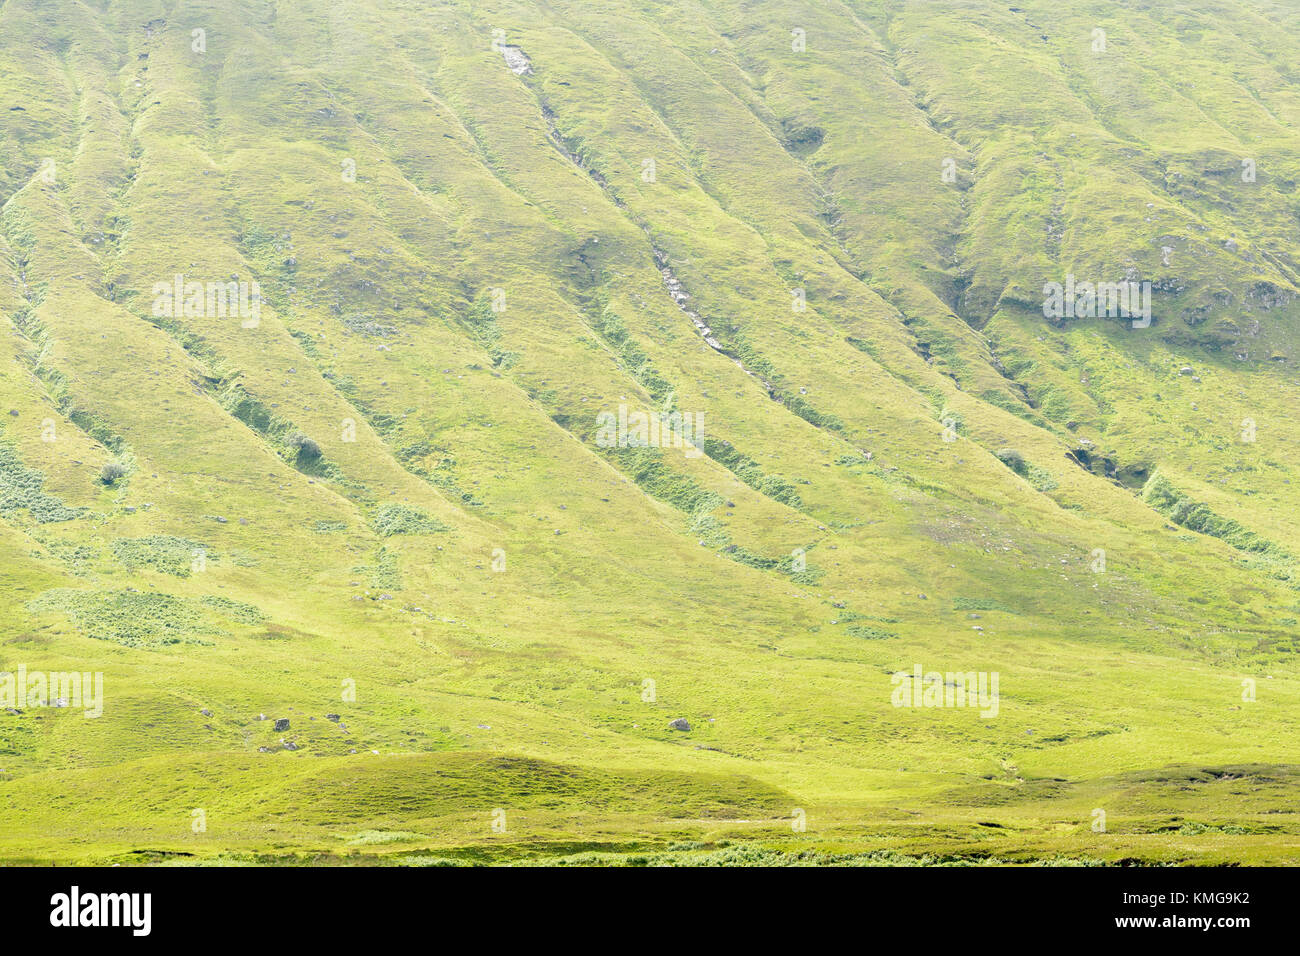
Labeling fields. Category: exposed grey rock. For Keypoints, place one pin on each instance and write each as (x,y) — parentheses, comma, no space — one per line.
(517,60)
(282,724)
(679,724)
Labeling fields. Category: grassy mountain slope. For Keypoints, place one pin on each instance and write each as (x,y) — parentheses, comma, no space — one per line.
(387,499)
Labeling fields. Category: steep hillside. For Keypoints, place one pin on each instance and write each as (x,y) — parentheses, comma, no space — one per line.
(328,328)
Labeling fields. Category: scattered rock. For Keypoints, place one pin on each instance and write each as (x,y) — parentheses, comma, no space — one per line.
(205,712)
(679,724)
(517,60)
(281,724)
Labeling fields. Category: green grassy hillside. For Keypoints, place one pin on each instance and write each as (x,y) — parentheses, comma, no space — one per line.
(382,490)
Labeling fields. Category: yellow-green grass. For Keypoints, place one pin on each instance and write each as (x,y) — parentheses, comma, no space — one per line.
(920,470)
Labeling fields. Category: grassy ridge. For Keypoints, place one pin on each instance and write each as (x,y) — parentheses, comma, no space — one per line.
(386,499)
